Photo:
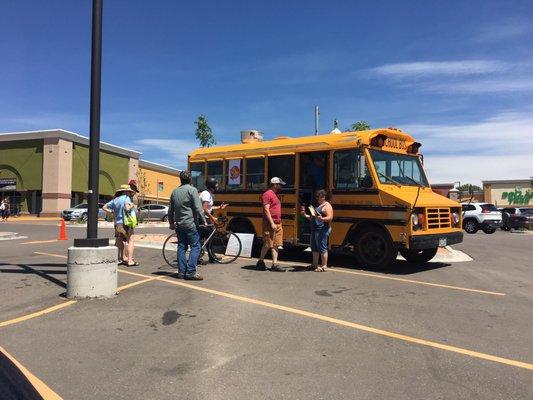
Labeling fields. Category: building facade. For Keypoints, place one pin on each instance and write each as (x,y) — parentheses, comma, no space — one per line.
(513,192)
(44,172)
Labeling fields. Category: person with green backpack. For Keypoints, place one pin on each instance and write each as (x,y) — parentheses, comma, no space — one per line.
(125,217)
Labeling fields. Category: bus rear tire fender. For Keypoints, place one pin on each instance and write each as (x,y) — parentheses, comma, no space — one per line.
(241,225)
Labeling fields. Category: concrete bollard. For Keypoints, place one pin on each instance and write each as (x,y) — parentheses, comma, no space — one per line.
(92,272)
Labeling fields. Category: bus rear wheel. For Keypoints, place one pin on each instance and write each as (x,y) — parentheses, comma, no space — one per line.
(418,256)
(374,249)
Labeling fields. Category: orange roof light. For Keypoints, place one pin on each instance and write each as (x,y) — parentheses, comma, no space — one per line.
(378,141)
(413,148)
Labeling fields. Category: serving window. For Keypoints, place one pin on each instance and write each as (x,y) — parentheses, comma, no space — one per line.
(282,167)
(255,173)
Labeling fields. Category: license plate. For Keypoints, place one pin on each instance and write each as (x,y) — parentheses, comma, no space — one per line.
(442,242)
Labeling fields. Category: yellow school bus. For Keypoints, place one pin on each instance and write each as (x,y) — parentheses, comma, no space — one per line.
(382,201)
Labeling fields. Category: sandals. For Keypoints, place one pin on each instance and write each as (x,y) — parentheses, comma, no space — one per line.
(321,269)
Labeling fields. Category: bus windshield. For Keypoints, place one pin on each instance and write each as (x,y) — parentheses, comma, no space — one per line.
(398,169)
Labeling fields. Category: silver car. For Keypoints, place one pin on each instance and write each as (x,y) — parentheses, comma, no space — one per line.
(157,212)
(81,212)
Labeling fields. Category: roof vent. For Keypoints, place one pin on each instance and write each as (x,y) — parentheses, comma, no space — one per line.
(250,136)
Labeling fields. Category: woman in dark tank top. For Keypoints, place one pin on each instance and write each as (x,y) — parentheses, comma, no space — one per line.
(320,230)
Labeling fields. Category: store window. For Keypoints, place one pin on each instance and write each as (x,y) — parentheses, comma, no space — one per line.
(255,173)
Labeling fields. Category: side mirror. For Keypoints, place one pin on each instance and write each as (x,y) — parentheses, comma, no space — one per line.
(366,182)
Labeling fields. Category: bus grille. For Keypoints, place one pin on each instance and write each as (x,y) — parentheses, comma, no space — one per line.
(438,218)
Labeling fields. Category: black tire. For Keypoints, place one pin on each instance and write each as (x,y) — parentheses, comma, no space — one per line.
(470,226)
(418,256)
(170,250)
(165,218)
(218,244)
(506,228)
(84,217)
(489,231)
(374,249)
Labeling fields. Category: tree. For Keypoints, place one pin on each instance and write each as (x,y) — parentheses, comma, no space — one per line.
(466,186)
(204,134)
(143,185)
(360,126)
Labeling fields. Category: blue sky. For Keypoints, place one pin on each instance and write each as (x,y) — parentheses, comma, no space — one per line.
(457,75)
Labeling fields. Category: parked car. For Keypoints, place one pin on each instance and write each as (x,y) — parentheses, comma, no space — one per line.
(484,216)
(81,212)
(517,218)
(157,212)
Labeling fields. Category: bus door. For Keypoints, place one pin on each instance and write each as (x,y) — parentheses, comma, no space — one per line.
(314,175)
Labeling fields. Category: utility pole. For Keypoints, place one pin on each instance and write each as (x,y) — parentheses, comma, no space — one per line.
(317,113)
(92,263)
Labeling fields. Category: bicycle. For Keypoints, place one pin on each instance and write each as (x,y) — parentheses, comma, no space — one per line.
(216,245)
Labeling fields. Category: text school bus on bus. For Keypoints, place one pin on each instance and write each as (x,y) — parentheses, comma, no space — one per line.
(382,200)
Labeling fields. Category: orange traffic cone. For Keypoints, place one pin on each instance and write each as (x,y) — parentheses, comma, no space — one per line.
(62,231)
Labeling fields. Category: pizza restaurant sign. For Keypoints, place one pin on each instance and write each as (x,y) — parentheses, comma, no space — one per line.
(518,197)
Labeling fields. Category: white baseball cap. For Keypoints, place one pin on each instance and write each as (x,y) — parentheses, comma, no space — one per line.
(277,180)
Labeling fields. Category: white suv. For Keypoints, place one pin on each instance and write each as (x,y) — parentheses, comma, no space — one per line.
(484,216)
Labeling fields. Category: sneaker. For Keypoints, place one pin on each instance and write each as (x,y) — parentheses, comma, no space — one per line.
(276,268)
(195,277)
(261,266)
(181,276)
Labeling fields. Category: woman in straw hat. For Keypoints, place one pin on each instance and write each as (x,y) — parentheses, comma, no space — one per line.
(123,234)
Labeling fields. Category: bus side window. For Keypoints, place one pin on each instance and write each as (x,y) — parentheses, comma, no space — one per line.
(198,175)
(350,170)
(282,167)
(215,170)
(234,176)
(344,170)
(255,173)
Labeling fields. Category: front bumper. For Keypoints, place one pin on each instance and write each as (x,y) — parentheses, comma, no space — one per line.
(421,242)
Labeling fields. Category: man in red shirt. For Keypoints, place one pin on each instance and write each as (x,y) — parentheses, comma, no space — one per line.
(272,228)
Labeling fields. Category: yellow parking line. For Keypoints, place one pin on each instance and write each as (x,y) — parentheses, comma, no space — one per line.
(50,254)
(343,271)
(135,283)
(381,332)
(353,325)
(40,241)
(37,314)
(45,391)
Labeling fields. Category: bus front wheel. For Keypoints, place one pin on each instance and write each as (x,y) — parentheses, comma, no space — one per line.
(374,249)
(418,256)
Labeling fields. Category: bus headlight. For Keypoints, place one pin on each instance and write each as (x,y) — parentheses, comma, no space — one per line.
(417,220)
(455,218)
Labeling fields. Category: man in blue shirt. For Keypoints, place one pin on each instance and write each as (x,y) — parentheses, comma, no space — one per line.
(123,234)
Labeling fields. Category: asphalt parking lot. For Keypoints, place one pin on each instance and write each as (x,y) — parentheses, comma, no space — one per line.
(438,331)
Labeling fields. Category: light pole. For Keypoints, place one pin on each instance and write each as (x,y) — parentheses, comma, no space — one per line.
(92,263)
(94,138)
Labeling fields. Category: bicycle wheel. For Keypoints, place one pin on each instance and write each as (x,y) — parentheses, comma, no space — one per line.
(170,250)
(218,247)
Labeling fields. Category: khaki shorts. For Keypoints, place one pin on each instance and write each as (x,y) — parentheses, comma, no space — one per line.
(272,239)
(123,232)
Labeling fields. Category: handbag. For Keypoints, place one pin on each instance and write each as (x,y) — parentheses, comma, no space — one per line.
(130,218)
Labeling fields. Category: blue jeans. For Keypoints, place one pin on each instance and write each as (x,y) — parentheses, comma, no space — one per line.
(188,237)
